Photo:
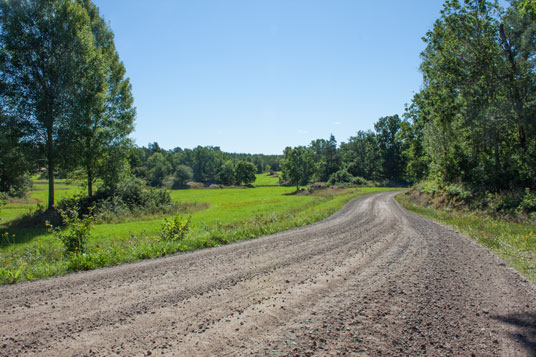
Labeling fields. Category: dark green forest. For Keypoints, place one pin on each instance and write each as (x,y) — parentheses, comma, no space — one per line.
(67,110)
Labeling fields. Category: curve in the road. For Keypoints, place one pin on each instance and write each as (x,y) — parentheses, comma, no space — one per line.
(372,279)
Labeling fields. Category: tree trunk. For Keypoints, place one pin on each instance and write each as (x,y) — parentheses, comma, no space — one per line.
(50,167)
(89,182)
(516,95)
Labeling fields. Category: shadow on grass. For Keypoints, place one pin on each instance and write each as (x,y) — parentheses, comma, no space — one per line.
(25,228)
(525,332)
(20,235)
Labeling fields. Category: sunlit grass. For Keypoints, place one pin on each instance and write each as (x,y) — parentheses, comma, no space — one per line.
(266,180)
(230,215)
(513,242)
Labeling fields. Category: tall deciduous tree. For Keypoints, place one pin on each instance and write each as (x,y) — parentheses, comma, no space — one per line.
(362,156)
(15,158)
(43,47)
(297,165)
(104,112)
(479,97)
(390,146)
(245,172)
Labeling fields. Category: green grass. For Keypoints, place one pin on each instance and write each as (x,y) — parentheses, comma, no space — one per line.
(266,180)
(514,243)
(231,215)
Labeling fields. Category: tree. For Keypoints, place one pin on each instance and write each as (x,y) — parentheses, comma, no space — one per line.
(326,158)
(15,160)
(478,97)
(390,146)
(227,173)
(183,174)
(48,57)
(104,112)
(80,101)
(159,168)
(206,162)
(297,165)
(412,137)
(362,157)
(245,172)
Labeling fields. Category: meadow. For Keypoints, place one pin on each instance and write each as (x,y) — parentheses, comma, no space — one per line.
(223,216)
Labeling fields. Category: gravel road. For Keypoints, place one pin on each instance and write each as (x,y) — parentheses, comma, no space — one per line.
(370,280)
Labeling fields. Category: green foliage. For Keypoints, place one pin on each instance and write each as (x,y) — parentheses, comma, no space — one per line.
(341,176)
(472,123)
(77,232)
(297,165)
(159,168)
(61,78)
(326,158)
(175,229)
(207,161)
(14,158)
(11,276)
(390,147)
(361,156)
(130,197)
(245,173)
(183,174)
(528,204)
(230,215)
(227,173)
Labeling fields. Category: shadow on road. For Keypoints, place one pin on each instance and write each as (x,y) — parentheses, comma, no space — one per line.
(526,329)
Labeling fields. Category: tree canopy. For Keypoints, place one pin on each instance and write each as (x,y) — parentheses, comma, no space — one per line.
(62,79)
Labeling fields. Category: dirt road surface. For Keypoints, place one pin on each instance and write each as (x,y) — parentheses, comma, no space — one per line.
(371,280)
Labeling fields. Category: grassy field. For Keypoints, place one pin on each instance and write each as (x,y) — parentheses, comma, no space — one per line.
(267,180)
(514,243)
(228,215)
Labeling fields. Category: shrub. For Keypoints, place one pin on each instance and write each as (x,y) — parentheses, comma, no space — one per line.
(128,197)
(77,233)
(175,229)
(341,176)
(344,177)
(528,204)
(360,181)
(80,262)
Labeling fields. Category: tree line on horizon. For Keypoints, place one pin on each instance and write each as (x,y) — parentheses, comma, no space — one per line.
(473,123)
(67,105)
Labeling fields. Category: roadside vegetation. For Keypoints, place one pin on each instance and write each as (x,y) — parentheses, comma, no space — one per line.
(514,242)
(205,218)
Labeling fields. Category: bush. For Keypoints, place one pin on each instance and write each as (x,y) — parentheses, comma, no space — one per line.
(17,186)
(129,197)
(528,204)
(175,229)
(344,177)
(341,176)
(360,181)
(75,237)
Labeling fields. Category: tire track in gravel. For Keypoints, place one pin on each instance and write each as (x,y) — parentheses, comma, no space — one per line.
(372,279)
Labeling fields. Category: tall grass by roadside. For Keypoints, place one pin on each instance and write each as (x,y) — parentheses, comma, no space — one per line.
(515,243)
(231,215)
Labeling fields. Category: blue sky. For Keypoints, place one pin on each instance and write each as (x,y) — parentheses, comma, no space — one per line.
(256,76)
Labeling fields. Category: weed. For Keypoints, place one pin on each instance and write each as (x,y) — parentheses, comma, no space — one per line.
(11,276)
(76,236)
(175,229)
